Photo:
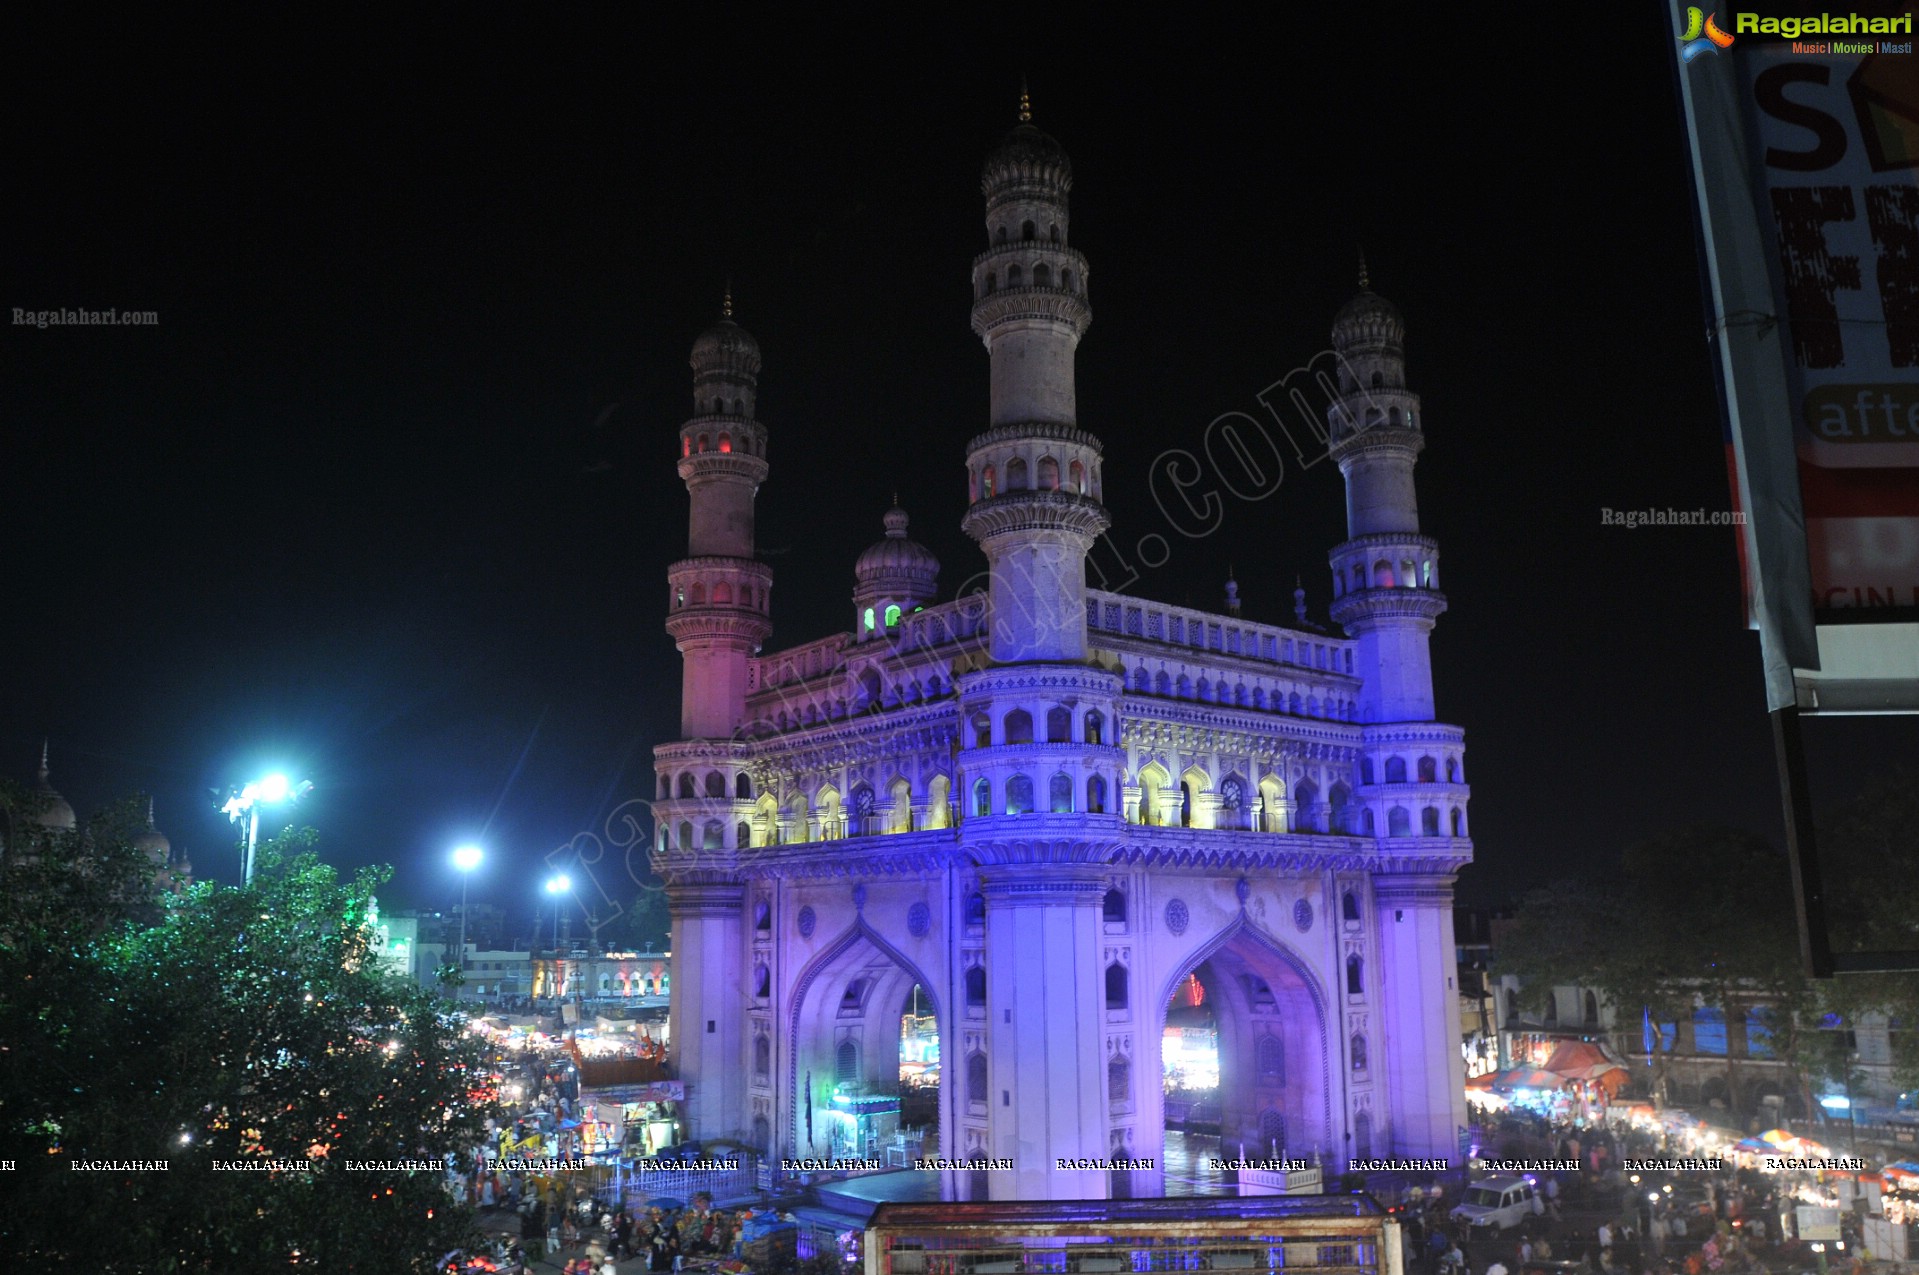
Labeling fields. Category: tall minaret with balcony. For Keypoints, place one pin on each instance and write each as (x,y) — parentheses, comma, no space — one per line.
(1386,574)
(1386,587)
(1039,764)
(718,604)
(1034,474)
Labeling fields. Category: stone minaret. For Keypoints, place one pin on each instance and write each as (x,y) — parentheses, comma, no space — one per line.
(1039,721)
(1386,575)
(1386,595)
(1034,474)
(718,603)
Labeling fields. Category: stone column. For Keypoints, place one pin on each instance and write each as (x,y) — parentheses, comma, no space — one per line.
(1045,1005)
(709,994)
(1419,1016)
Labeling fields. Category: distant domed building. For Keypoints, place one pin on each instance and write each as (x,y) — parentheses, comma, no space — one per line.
(1050,811)
(53,815)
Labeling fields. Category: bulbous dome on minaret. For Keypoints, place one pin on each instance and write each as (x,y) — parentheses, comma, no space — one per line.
(1025,160)
(897,568)
(151,842)
(726,347)
(55,813)
(1368,320)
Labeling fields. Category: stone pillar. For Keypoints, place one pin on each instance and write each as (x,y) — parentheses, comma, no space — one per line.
(709,994)
(1419,1016)
(1045,1005)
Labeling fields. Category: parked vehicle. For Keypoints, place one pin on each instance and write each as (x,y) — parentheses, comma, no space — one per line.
(1499,1202)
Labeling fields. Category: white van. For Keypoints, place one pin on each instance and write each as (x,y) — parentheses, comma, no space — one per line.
(1501,1202)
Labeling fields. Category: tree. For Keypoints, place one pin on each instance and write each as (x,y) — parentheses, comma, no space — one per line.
(245,1026)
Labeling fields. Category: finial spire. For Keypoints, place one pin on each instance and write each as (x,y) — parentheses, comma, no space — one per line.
(726,301)
(1025,103)
(43,759)
(1365,280)
(1299,600)
(149,812)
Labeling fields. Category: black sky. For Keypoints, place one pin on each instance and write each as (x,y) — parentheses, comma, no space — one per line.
(388,494)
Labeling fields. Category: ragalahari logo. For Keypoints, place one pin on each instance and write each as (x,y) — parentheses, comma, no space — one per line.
(1702,35)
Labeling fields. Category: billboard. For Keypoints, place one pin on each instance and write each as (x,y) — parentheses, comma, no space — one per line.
(1804,134)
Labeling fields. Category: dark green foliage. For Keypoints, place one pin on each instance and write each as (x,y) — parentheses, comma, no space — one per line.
(237,1024)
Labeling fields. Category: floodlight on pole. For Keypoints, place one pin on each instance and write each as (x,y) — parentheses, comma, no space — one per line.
(245,804)
(556,885)
(466,858)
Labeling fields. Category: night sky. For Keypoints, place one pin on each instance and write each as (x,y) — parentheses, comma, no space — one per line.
(387,496)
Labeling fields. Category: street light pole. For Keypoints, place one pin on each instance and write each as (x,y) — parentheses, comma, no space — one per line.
(466,858)
(275,788)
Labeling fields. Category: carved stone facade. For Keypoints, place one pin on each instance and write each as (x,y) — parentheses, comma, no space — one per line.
(1048,806)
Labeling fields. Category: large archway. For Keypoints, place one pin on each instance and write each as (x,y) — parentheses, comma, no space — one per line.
(864,1078)
(1244,1049)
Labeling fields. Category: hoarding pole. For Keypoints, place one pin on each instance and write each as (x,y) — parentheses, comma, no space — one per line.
(1802,843)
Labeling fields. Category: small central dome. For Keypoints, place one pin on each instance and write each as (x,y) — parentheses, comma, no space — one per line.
(897,565)
(1027,154)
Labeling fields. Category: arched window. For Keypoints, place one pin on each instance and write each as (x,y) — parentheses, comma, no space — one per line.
(762,1134)
(1429,821)
(1075,477)
(1408,574)
(1113,906)
(1042,276)
(1428,771)
(1398,822)
(986,489)
(742,835)
(1366,822)
(762,982)
(686,835)
(1337,798)
(976,1077)
(982,731)
(1185,805)
(1592,1010)
(686,785)
(1459,824)
(722,594)
(743,786)
(1349,907)
(1270,1058)
(701,446)
(1019,727)
(1066,280)
(1395,770)
(1119,1081)
(991,283)
(1014,278)
(846,1063)
(1096,796)
(1019,795)
(976,909)
(666,786)
(1016,474)
(1359,1053)
(715,784)
(1363,1135)
(976,986)
(1306,806)
(1355,976)
(762,1057)
(999,233)
(1116,986)
(1551,1012)
(1272,1130)
(982,797)
(1059,725)
(1026,230)
(1052,232)
(726,442)
(1382,574)
(762,916)
(892,616)
(1365,770)
(1452,771)
(1095,727)
(1060,794)
(1162,684)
